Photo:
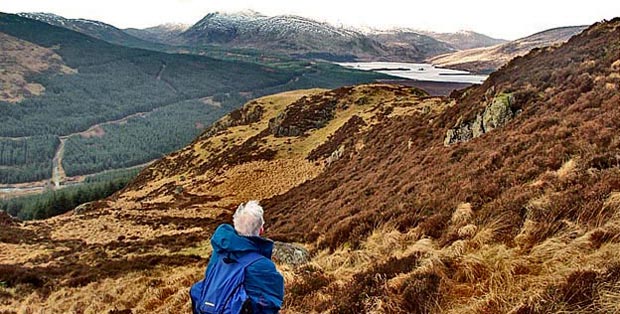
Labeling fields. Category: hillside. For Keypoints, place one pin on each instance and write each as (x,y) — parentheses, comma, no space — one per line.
(118,107)
(412,43)
(503,198)
(299,36)
(163,34)
(463,40)
(153,236)
(96,29)
(17,67)
(489,59)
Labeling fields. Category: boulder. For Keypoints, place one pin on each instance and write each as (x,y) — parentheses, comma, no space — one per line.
(496,114)
(83,208)
(290,254)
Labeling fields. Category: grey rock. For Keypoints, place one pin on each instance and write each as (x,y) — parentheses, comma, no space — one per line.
(498,113)
(84,208)
(290,254)
(337,154)
(495,115)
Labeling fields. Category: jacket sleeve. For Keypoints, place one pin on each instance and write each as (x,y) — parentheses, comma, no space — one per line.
(265,286)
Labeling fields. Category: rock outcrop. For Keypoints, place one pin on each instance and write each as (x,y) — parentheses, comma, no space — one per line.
(290,254)
(305,114)
(495,115)
(242,116)
(84,208)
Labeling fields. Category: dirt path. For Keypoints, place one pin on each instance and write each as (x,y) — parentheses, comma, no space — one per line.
(58,173)
(158,77)
(161,70)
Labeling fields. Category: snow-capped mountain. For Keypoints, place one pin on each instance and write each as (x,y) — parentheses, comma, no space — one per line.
(289,34)
(303,36)
(251,26)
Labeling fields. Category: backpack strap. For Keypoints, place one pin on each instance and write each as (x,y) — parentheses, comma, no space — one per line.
(245,261)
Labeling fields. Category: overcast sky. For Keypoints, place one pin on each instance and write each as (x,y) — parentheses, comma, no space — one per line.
(500,19)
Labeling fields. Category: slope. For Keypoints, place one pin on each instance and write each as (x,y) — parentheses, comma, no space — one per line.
(463,40)
(152,236)
(489,59)
(520,219)
(404,207)
(18,67)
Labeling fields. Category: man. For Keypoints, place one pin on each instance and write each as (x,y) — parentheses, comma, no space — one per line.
(243,247)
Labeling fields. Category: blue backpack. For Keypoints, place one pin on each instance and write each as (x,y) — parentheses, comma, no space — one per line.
(222,290)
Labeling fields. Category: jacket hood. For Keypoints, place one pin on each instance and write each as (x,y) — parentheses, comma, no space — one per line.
(226,240)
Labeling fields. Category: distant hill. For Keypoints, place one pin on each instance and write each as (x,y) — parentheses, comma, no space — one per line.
(291,35)
(163,34)
(118,107)
(463,40)
(405,42)
(488,59)
(91,28)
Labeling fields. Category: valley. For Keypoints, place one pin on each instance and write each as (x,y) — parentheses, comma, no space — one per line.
(130,82)
(501,198)
(413,171)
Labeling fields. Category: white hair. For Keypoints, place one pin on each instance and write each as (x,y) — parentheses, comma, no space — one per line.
(248,219)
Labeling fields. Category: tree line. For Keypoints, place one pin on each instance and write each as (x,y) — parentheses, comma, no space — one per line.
(56,202)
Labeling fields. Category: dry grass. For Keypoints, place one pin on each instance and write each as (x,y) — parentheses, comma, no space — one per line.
(524,219)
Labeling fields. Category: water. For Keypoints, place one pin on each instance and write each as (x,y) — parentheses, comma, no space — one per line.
(417,71)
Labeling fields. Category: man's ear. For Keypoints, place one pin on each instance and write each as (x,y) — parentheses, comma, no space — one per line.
(261,231)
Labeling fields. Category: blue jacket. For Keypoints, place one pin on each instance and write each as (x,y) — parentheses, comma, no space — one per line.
(263,283)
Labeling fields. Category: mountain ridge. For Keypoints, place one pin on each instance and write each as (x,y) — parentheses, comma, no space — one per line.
(291,34)
(96,29)
(488,59)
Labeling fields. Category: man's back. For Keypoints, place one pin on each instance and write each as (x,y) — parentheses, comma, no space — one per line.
(263,283)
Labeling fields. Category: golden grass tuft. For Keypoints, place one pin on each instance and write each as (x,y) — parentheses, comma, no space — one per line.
(567,168)
(462,215)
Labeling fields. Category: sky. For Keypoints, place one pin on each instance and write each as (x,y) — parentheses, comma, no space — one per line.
(500,19)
